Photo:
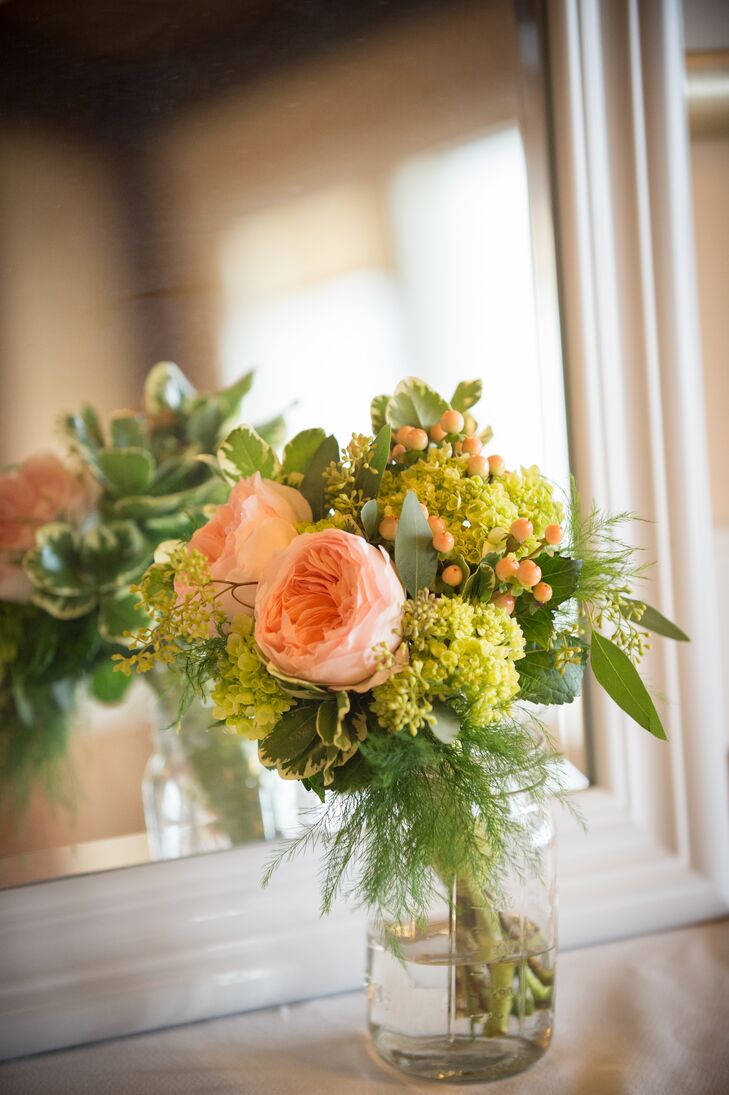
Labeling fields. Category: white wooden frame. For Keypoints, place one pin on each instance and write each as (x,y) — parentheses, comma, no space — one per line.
(149,946)
(659,855)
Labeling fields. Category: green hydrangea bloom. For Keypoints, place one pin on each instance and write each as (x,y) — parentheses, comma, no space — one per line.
(471,506)
(246,697)
(457,650)
(531,493)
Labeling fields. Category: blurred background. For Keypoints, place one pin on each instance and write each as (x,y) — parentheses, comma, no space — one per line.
(336,195)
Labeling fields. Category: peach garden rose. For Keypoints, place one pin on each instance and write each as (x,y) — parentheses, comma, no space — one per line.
(258,521)
(40,490)
(324,605)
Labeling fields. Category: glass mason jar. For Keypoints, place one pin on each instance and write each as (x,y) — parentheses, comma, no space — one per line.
(468,994)
(204,789)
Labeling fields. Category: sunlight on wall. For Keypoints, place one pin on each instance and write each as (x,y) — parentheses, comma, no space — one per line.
(335,297)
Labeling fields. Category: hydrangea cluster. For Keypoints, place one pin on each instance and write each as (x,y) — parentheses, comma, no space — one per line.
(458,651)
(247,698)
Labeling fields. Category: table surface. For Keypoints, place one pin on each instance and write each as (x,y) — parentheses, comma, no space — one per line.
(642,1016)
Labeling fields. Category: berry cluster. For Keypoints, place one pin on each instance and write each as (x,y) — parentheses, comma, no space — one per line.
(459,431)
(525,573)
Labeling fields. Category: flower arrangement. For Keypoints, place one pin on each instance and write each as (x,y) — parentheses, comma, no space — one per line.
(375,616)
(75,534)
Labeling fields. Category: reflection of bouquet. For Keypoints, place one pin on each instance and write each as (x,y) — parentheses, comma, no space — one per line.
(372,616)
(74,536)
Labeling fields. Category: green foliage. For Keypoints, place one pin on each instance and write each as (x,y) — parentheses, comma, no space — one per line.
(301,450)
(166,389)
(542,682)
(368,478)
(414,404)
(616,673)
(119,614)
(243,453)
(80,568)
(126,430)
(313,485)
(608,563)
(536,623)
(378,412)
(653,620)
(108,686)
(415,813)
(313,737)
(416,559)
(467,394)
(369,516)
(126,471)
(480,585)
(446,725)
(43,660)
(562,574)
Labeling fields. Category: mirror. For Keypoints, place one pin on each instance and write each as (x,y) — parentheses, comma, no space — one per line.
(272,185)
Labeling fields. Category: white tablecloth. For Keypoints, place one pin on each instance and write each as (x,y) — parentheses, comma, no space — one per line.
(649,1016)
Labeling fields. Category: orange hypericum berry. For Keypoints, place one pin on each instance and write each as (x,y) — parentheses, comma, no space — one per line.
(542,592)
(398,451)
(553,534)
(416,440)
(402,434)
(388,528)
(437,433)
(472,445)
(506,568)
(496,465)
(505,601)
(528,573)
(478,465)
(452,575)
(521,529)
(443,542)
(437,524)
(452,421)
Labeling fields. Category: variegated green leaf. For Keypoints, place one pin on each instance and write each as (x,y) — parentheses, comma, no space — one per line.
(378,412)
(167,389)
(466,395)
(243,453)
(53,566)
(415,404)
(301,450)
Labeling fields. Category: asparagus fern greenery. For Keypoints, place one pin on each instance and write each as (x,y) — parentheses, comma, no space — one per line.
(76,537)
(374,616)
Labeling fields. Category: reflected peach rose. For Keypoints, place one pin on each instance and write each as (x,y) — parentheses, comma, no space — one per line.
(258,520)
(40,490)
(324,604)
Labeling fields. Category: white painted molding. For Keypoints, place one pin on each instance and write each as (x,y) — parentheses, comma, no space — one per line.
(635,398)
(130,950)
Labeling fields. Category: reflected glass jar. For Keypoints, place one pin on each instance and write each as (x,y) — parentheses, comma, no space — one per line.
(468,995)
(205,789)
